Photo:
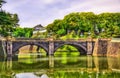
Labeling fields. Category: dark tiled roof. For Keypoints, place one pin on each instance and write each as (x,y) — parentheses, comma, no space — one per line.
(38,27)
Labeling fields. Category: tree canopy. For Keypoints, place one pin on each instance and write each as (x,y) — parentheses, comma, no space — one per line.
(8,21)
(87,24)
(22,32)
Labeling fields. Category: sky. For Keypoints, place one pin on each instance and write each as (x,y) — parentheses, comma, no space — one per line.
(44,12)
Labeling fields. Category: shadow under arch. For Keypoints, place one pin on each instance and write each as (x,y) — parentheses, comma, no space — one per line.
(79,47)
(22,45)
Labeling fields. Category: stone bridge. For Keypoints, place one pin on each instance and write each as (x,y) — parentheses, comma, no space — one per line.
(85,47)
(95,47)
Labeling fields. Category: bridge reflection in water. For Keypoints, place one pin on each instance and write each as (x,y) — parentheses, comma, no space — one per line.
(62,67)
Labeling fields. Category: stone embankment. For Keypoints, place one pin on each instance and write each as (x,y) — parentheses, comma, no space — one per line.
(101,47)
(107,47)
(114,47)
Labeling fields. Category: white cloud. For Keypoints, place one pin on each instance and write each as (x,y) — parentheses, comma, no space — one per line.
(12,5)
(44,12)
(48,1)
(96,6)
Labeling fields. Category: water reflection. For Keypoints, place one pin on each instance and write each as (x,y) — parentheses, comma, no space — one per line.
(25,75)
(60,67)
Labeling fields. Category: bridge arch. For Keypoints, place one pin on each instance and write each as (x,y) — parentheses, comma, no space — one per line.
(16,48)
(82,49)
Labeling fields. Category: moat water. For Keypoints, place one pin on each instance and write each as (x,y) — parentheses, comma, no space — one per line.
(61,66)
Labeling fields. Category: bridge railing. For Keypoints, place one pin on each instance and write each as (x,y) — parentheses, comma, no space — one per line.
(30,39)
(50,39)
(47,39)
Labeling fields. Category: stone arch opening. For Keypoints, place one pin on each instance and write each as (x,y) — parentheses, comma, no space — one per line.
(17,48)
(79,47)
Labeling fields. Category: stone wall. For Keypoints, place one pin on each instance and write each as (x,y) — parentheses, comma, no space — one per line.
(100,48)
(113,49)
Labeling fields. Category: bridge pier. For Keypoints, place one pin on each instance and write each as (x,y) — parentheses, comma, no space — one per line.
(89,47)
(9,48)
(51,48)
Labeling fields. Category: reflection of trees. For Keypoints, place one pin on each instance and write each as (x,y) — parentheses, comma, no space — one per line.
(83,67)
(80,62)
(30,67)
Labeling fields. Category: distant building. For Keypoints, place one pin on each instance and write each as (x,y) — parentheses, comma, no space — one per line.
(39,28)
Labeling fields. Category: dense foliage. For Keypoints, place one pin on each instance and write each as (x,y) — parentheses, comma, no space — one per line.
(85,24)
(22,32)
(8,21)
(9,25)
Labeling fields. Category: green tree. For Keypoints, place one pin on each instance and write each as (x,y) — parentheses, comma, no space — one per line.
(71,22)
(108,23)
(23,32)
(56,28)
(87,24)
(7,23)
